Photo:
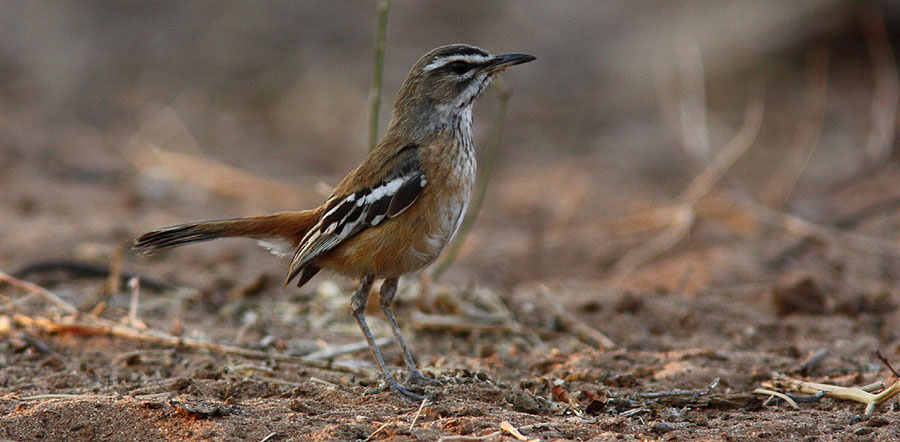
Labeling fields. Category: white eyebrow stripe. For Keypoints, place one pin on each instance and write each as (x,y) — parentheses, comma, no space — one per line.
(471,59)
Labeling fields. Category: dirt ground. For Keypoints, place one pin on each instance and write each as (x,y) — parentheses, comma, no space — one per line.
(613,287)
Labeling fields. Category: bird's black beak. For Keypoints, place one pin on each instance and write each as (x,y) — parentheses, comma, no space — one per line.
(501,62)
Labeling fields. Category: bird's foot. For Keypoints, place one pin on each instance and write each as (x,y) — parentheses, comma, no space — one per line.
(411,392)
(417,378)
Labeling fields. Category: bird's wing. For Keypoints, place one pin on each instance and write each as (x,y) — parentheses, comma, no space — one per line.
(348,214)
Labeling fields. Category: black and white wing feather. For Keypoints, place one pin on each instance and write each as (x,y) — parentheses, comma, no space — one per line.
(348,215)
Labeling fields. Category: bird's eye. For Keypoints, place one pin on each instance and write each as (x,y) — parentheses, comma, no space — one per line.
(459,67)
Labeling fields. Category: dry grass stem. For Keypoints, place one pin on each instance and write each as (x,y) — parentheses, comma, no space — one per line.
(679,225)
(418,412)
(375,95)
(377,430)
(270,436)
(135,285)
(114,278)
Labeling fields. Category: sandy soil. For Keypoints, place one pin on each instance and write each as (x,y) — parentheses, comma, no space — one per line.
(586,304)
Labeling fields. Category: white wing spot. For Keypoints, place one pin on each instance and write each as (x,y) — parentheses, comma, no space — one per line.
(387,189)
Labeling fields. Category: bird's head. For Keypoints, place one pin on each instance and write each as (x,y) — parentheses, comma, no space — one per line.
(445,82)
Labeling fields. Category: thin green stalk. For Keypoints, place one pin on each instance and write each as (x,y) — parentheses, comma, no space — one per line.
(375,96)
(484,176)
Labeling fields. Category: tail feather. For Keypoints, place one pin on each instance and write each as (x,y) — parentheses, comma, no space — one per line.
(286,226)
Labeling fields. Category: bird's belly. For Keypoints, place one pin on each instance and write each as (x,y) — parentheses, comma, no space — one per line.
(438,236)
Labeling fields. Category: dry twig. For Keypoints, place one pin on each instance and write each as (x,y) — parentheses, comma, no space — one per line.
(855,394)
(493,434)
(809,128)
(93,325)
(424,321)
(509,428)
(696,393)
(337,350)
(682,96)
(38,291)
(218,177)
(802,227)
(694,130)
(16,302)
(886,363)
(41,397)
(781,396)
(78,269)
(883,111)
(736,147)
(811,362)
(684,213)
(98,326)
(585,333)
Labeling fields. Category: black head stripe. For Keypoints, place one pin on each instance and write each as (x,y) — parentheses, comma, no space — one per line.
(451,50)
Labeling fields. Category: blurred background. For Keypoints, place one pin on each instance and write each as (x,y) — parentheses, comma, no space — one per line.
(118,117)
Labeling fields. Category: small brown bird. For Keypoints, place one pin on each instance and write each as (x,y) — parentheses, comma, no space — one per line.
(397,210)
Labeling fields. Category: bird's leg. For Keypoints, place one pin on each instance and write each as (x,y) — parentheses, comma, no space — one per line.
(358,305)
(386,298)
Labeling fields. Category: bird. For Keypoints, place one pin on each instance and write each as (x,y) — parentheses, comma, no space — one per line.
(395,212)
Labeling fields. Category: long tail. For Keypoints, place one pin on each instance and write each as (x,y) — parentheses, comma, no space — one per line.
(284,226)
(280,233)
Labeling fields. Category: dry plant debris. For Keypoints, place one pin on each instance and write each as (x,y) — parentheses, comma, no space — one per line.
(857,394)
